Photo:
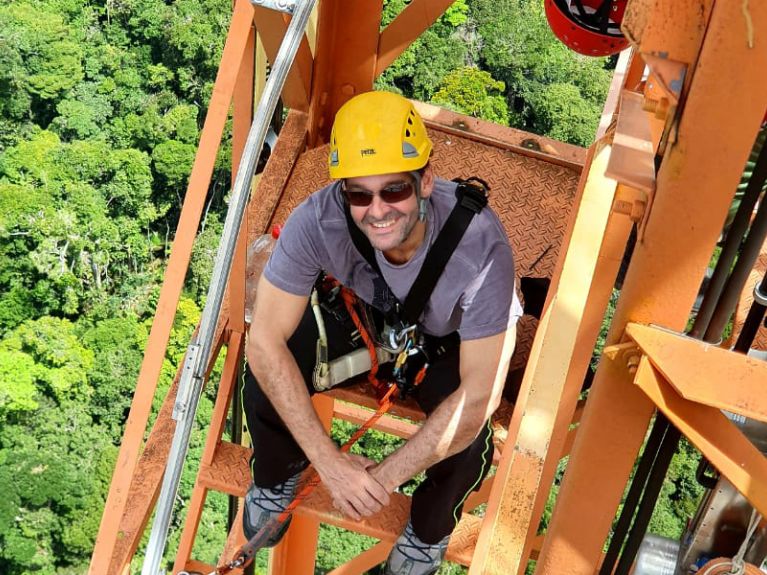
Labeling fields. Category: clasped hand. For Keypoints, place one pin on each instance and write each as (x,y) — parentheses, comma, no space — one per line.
(355,492)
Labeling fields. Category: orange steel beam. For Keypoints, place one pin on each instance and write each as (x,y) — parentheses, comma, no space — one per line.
(271,26)
(145,483)
(365,561)
(617,83)
(217,425)
(669,29)
(710,431)
(634,72)
(705,373)
(387,423)
(692,196)
(242,118)
(406,28)
(558,361)
(345,61)
(170,292)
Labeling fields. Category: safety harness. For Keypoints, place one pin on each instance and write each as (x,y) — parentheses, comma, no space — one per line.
(395,325)
(401,322)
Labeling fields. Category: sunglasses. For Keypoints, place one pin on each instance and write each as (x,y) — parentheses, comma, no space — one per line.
(391,194)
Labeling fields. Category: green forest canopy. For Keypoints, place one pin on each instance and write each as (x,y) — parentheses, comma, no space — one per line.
(101,105)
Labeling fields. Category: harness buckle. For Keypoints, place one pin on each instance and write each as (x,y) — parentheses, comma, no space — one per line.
(397,339)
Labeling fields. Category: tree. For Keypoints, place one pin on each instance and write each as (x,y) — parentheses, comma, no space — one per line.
(549,88)
(418,72)
(75,219)
(473,92)
(45,59)
(562,113)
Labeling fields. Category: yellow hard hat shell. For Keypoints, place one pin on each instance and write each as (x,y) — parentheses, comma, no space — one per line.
(377,133)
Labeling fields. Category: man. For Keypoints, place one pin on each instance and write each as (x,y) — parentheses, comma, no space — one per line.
(384,186)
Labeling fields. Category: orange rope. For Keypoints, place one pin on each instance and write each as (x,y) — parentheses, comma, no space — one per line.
(350,300)
(311,479)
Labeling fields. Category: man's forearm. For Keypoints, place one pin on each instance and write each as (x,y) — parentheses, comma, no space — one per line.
(448,430)
(278,375)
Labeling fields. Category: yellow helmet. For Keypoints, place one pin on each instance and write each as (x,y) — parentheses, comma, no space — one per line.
(377,133)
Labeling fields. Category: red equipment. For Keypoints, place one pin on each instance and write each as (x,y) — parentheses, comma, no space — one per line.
(589,27)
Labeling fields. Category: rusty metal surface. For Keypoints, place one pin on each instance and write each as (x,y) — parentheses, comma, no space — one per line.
(266,197)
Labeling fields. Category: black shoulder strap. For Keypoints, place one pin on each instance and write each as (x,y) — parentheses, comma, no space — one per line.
(361,242)
(472,197)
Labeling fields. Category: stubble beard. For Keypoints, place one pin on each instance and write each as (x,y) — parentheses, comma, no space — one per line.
(404,232)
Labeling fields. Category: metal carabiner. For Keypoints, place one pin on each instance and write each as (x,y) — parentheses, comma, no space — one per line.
(398,339)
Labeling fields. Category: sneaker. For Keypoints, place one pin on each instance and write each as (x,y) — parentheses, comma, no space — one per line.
(411,556)
(263,504)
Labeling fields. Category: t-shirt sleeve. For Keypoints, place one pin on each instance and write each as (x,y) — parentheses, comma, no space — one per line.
(295,262)
(490,304)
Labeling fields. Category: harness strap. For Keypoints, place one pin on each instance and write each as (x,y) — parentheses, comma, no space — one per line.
(472,198)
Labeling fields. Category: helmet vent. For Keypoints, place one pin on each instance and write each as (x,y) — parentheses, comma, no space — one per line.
(408,150)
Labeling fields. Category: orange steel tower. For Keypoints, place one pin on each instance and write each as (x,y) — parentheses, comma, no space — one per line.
(689,108)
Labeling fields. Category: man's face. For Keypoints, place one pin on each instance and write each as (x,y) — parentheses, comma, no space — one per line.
(392,213)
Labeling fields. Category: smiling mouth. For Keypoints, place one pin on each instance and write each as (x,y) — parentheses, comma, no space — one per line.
(383,225)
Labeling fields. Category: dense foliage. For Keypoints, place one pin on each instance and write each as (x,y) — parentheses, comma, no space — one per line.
(101,105)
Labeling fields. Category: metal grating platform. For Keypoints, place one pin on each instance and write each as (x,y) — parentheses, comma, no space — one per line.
(228,473)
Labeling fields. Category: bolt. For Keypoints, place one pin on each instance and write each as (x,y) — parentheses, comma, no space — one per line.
(632,363)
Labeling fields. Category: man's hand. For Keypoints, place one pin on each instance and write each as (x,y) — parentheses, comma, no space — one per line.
(354,491)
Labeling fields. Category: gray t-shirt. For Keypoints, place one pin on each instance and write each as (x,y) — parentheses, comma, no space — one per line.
(475,293)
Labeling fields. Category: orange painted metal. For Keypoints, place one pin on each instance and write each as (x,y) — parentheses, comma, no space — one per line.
(693,195)
(612,101)
(406,28)
(671,29)
(147,477)
(274,178)
(631,161)
(215,431)
(365,561)
(705,373)
(242,106)
(634,73)
(387,423)
(271,26)
(345,62)
(555,371)
(710,431)
(171,290)
(512,139)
